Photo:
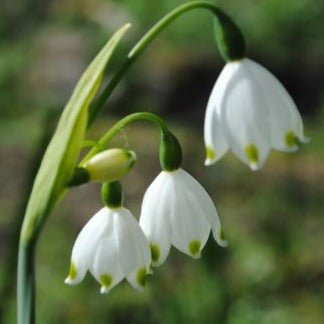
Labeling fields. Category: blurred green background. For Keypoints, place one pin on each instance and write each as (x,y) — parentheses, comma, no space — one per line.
(273,269)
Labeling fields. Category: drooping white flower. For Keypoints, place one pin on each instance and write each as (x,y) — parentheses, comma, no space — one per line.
(111,246)
(177,210)
(249,112)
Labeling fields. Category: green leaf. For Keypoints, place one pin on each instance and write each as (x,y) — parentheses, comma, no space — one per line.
(62,152)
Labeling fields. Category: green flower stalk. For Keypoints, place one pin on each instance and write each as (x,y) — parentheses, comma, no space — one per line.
(58,166)
(229,38)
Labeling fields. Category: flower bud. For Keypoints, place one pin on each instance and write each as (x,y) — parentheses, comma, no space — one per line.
(110,165)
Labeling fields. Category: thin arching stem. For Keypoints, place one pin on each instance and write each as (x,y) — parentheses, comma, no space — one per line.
(227,34)
(230,34)
(105,139)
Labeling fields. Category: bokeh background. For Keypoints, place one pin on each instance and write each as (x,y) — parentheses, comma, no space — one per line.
(273,269)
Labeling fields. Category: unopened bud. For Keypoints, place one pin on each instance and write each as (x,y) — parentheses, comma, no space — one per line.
(110,165)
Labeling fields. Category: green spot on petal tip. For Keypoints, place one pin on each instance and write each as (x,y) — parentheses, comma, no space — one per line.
(221,239)
(105,280)
(194,247)
(141,277)
(290,139)
(222,235)
(210,153)
(155,252)
(72,271)
(252,153)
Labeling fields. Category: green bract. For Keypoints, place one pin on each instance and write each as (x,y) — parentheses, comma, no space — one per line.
(112,194)
(229,39)
(62,152)
(170,152)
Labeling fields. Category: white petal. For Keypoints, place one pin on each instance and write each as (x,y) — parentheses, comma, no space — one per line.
(215,140)
(133,247)
(155,217)
(190,229)
(201,198)
(106,267)
(285,120)
(244,116)
(85,246)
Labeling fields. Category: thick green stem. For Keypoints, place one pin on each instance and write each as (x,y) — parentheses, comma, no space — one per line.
(26,284)
(229,40)
(102,143)
(25,271)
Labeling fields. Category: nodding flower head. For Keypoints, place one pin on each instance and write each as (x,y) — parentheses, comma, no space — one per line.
(111,246)
(250,112)
(177,210)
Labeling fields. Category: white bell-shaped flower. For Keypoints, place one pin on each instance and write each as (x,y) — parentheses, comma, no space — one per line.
(111,246)
(177,210)
(250,112)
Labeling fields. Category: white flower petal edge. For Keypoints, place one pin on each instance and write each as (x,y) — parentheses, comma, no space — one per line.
(158,232)
(202,199)
(133,249)
(107,273)
(112,246)
(245,118)
(177,210)
(190,227)
(85,246)
(249,111)
(285,120)
(215,140)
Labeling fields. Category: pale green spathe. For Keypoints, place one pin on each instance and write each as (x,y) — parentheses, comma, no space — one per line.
(61,155)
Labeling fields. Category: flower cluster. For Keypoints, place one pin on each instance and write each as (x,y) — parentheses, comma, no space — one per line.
(176,210)
(249,112)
